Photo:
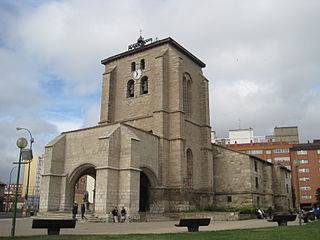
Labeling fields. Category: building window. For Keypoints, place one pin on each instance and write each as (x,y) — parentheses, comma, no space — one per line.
(254,152)
(229,199)
(133,66)
(287,187)
(258,201)
(255,166)
(142,64)
(302,170)
(304,179)
(318,151)
(186,87)
(257,182)
(282,159)
(268,151)
(281,150)
(303,161)
(189,167)
(144,85)
(306,188)
(306,197)
(130,89)
(302,152)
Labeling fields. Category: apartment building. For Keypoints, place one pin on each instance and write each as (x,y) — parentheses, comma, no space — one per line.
(308,156)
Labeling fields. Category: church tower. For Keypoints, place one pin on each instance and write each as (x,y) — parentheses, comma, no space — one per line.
(160,88)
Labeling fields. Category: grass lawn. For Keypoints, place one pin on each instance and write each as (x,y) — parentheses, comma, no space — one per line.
(305,232)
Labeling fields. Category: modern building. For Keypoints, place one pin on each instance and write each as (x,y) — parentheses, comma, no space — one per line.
(239,136)
(33,172)
(151,152)
(308,155)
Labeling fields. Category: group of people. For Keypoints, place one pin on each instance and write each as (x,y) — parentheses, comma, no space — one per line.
(116,217)
(115,213)
(75,211)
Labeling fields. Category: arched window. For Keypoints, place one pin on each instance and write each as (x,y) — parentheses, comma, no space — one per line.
(189,167)
(133,66)
(186,87)
(144,85)
(142,64)
(130,88)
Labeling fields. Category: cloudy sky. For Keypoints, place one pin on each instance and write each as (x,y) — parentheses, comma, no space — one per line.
(263,61)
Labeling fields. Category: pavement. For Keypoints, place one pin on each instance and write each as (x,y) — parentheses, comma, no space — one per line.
(23,227)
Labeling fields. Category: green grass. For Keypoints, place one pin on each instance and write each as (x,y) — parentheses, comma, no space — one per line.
(308,231)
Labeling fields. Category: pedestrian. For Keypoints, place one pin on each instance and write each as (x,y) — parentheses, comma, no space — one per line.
(123,215)
(83,210)
(317,212)
(115,214)
(270,212)
(74,210)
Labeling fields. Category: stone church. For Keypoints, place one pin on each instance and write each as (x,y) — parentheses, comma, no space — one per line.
(151,150)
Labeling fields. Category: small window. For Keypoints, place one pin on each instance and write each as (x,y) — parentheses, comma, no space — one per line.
(133,66)
(258,201)
(229,199)
(144,85)
(255,166)
(303,161)
(130,89)
(142,64)
(257,182)
(302,152)
(287,187)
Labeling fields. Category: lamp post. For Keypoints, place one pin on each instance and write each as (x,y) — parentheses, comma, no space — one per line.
(9,193)
(30,156)
(296,164)
(21,143)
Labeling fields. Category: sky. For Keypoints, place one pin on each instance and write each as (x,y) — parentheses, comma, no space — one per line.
(262,60)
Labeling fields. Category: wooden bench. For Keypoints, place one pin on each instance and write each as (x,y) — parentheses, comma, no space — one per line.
(53,225)
(193,223)
(283,220)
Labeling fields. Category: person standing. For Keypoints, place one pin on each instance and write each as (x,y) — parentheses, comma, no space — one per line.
(115,214)
(123,215)
(74,210)
(270,212)
(83,210)
(317,212)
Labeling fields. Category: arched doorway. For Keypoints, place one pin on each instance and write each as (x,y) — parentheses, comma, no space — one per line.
(144,202)
(84,187)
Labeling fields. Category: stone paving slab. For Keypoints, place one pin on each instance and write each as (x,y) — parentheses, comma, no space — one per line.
(23,227)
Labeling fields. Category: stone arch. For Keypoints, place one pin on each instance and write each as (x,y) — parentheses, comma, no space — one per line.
(148,181)
(76,174)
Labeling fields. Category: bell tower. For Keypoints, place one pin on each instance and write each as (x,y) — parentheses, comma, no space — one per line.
(159,87)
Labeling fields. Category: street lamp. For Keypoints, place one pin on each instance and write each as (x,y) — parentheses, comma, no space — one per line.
(28,154)
(9,193)
(21,143)
(296,164)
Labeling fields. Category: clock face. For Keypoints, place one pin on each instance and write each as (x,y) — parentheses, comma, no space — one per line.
(137,74)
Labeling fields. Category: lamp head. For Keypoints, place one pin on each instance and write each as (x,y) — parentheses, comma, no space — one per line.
(22,143)
(18,128)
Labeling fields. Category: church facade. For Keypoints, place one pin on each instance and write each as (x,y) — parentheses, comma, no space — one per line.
(151,150)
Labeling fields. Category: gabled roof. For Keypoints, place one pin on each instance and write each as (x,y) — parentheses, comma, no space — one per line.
(168,40)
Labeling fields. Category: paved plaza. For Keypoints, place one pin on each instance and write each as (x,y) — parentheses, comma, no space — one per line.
(23,227)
